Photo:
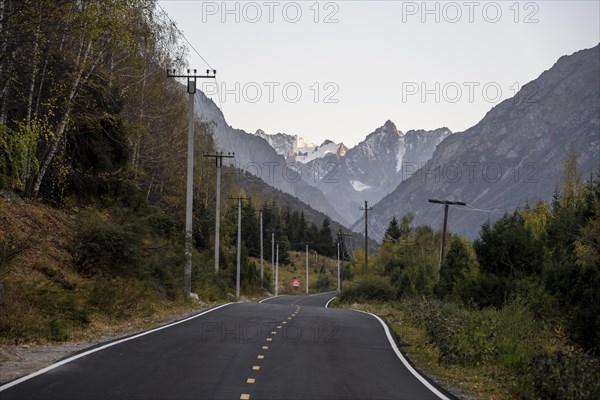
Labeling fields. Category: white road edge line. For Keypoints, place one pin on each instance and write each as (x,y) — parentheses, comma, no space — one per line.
(310,295)
(404,361)
(330,300)
(80,355)
(272,297)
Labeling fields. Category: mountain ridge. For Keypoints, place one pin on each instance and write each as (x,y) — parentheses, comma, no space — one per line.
(514,155)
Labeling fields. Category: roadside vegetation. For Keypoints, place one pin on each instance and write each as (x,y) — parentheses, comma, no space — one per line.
(93,144)
(514,314)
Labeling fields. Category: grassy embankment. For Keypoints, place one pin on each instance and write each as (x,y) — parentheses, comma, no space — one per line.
(490,353)
(49,291)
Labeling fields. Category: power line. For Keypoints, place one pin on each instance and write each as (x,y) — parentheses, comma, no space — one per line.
(227,127)
(385,234)
(373,232)
(185,38)
(471,208)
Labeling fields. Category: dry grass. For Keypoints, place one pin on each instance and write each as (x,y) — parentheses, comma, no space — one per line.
(46,301)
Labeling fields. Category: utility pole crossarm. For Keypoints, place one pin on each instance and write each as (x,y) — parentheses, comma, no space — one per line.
(191,77)
(210,73)
(446,204)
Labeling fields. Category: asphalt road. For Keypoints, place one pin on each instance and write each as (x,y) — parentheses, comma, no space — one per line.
(286,347)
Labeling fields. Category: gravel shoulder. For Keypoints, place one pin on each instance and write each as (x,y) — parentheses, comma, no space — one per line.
(21,360)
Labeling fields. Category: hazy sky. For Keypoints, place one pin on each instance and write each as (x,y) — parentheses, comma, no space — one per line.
(338,70)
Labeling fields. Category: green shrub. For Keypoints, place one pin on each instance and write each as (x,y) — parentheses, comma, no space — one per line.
(103,246)
(370,288)
(559,376)
(472,337)
(206,284)
(120,297)
(323,283)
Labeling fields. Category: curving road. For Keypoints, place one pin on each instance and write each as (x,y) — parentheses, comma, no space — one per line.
(285,347)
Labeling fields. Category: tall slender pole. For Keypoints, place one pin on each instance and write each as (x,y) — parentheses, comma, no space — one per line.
(443,252)
(272,254)
(366,239)
(239,244)
(219,163)
(341,277)
(366,209)
(239,249)
(262,268)
(338,265)
(189,193)
(307,269)
(218,220)
(277,271)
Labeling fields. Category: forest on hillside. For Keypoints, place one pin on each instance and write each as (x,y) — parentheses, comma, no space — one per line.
(91,125)
(520,304)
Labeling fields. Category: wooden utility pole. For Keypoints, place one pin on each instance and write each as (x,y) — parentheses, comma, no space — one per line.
(219,163)
(446,203)
(189,195)
(366,210)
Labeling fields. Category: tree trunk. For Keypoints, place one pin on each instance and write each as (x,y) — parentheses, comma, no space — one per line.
(60,130)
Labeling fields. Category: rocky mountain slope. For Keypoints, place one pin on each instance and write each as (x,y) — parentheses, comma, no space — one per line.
(374,167)
(329,177)
(254,155)
(515,154)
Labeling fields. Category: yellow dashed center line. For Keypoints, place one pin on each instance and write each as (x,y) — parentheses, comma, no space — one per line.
(260,357)
(245,396)
(250,380)
(255,367)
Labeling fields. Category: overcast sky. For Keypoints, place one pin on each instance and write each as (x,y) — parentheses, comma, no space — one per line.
(338,70)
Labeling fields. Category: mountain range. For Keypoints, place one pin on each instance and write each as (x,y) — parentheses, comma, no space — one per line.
(515,154)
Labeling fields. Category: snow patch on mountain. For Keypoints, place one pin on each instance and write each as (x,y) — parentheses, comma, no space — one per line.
(286,145)
(400,154)
(305,155)
(359,186)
